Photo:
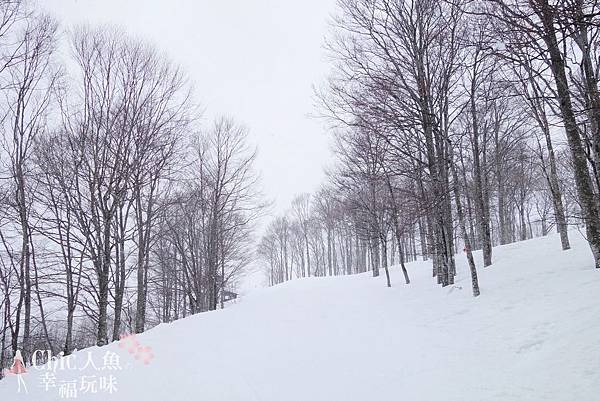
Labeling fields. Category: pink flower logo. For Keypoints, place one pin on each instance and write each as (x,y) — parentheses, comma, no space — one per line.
(140,352)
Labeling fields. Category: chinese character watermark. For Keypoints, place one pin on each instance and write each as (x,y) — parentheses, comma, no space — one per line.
(103,370)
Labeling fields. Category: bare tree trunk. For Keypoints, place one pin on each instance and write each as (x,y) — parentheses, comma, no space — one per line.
(585,191)
(556,193)
(396,230)
(384,259)
(349,253)
(329,252)
(120,274)
(465,234)
(39,298)
(374,242)
(484,219)
(423,239)
(522,224)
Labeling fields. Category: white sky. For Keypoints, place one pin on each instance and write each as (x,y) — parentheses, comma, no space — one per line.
(255,60)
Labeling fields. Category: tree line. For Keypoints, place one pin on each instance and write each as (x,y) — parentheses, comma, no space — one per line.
(119,209)
(459,125)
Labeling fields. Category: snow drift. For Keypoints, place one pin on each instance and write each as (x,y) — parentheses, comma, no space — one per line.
(533,334)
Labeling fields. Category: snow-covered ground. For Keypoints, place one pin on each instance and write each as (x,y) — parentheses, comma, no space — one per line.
(533,334)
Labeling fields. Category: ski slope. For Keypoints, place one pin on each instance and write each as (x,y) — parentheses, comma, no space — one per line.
(533,334)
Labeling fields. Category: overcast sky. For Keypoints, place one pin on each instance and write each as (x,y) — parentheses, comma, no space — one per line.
(255,60)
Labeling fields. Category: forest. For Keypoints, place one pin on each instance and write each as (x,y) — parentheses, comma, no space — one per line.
(456,126)
(459,125)
(119,209)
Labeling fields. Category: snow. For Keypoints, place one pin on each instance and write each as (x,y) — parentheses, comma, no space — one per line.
(533,334)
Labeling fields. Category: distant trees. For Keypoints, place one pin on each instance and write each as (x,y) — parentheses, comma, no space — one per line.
(301,212)
(205,228)
(355,237)
(352,228)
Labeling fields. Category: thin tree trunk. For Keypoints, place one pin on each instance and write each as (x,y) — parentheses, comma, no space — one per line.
(465,235)
(384,259)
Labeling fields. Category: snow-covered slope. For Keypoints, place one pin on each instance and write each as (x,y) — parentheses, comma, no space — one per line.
(533,334)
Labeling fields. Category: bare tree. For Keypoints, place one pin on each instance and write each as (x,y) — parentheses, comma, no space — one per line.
(29,89)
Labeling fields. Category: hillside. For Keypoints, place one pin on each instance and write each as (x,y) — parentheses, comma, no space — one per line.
(533,334)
